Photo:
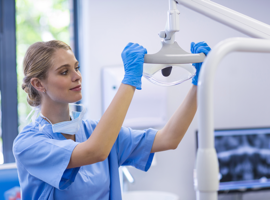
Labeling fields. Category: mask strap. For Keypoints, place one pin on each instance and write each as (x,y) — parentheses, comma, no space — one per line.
(36,110)
(46,118)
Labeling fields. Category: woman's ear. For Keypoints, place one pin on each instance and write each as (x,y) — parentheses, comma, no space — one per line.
(36,83)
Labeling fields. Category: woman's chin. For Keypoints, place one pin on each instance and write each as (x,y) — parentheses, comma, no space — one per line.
(76,98)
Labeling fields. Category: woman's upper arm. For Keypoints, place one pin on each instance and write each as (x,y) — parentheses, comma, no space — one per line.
(86,153)
(83,154)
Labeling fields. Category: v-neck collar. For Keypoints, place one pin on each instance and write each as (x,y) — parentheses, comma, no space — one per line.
(48,128)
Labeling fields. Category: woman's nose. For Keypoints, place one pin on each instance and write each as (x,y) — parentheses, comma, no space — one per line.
(77,76)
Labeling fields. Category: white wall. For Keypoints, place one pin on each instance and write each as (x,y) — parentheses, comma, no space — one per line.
(242,97)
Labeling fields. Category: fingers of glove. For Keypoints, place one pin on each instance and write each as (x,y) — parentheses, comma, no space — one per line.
(139,49)
(194,47)
(127,46)
(203,49)
(136,56)
(133,49)
(199,44)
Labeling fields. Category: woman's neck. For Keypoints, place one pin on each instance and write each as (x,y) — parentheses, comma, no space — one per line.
(55,112)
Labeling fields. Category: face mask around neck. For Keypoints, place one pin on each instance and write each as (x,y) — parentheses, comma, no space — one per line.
(70,127)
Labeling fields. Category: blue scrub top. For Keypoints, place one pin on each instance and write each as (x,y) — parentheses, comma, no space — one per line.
(43,156)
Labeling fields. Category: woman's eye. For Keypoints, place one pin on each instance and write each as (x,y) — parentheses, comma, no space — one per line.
(64,73)
(77,68)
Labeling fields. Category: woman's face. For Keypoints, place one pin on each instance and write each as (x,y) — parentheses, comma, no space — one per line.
(63,83)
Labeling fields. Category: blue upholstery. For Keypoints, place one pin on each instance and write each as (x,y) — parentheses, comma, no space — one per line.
(8,180)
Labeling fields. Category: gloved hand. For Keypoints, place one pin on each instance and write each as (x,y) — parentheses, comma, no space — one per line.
(133,59)
(200,47)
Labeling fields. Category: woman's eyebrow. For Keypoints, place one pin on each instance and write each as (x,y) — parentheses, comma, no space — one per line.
(66,65)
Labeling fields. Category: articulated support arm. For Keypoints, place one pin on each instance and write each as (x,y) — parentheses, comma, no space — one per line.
(229,17)
(206,174)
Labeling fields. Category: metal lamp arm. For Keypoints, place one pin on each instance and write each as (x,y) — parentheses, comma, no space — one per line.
(229,17)
(172,24)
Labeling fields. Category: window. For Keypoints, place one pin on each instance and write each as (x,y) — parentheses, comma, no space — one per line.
(22,23)
(41,20)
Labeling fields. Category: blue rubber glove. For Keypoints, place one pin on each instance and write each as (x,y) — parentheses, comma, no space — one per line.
(200,47)
(133,59)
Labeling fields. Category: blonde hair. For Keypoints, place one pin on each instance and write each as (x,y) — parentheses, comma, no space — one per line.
(37,61)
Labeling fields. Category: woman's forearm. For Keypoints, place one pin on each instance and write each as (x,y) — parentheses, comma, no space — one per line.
(99,144)
(111,122)
(172,133)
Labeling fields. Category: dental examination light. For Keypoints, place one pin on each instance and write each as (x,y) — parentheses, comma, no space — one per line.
(171,57)
(206,174)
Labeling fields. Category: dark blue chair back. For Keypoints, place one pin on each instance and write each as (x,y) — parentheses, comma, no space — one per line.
(8,178)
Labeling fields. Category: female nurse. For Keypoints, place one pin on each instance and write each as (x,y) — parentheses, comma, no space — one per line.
(61,156)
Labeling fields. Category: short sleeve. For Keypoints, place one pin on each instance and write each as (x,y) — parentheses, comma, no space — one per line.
(46,158)
(134,147)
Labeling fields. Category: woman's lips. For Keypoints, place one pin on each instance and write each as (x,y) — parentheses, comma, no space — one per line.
(78,88)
